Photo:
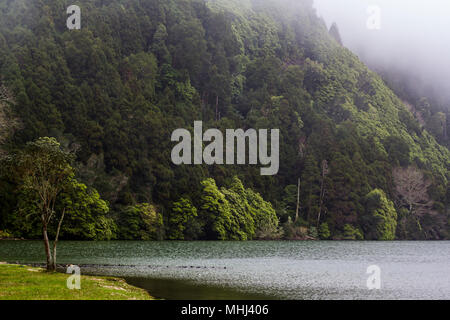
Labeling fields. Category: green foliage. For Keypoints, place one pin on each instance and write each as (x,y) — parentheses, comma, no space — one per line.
(235,213)
(351,233)
(46,188)
(264,216)
(5,234)
(380,218)
(42,167)
(182,221)
(409,226)
(25,220)
(324,231)
(85,214)
(289,204)
(312,232)
(398,151)
(215,211)
(241,213)
(40,171)
(142,222)
(115,90)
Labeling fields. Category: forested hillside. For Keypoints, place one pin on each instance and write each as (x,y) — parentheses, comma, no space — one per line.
(429,105)
(113,92)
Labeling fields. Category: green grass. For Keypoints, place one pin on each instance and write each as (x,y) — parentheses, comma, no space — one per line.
(19,282)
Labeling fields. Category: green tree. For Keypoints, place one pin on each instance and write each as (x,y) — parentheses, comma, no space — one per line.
(324,231)
(310,191)
(141,221)
(215,211)
(158,45)
(352,233)
(398,150)
(86,214)
(236,213)
(264,215)
(182,220)
(241,214)
(43,171)
(289,204)
(379,221)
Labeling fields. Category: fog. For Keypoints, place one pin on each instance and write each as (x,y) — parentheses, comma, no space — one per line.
(413,38)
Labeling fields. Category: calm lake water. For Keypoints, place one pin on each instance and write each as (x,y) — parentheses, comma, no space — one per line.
(258,270)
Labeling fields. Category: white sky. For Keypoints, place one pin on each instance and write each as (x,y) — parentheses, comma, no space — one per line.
(414,34)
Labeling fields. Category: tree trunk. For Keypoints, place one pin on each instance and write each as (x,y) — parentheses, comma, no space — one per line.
(203,103)
(322,189)
(217,107)
(47,248)
(298,201)
(56,239)
(320,201)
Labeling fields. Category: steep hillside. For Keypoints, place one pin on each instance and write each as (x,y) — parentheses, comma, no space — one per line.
(115,90)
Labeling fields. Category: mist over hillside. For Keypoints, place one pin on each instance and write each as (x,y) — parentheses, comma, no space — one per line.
(413,39)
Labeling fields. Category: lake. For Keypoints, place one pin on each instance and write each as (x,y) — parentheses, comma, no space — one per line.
(258,269)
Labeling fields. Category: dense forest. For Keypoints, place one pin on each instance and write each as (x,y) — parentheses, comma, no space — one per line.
(355,162)
(429,105)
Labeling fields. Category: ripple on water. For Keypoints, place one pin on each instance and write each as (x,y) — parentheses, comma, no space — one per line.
(279,269)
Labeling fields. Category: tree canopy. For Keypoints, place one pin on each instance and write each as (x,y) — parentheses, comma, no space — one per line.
(114,91)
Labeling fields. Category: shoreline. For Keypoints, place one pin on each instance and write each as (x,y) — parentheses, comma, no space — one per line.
(28,282)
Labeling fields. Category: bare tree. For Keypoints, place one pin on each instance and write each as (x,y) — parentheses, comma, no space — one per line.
(411,189)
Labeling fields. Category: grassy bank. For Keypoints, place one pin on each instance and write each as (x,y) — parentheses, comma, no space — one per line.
(19,282)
